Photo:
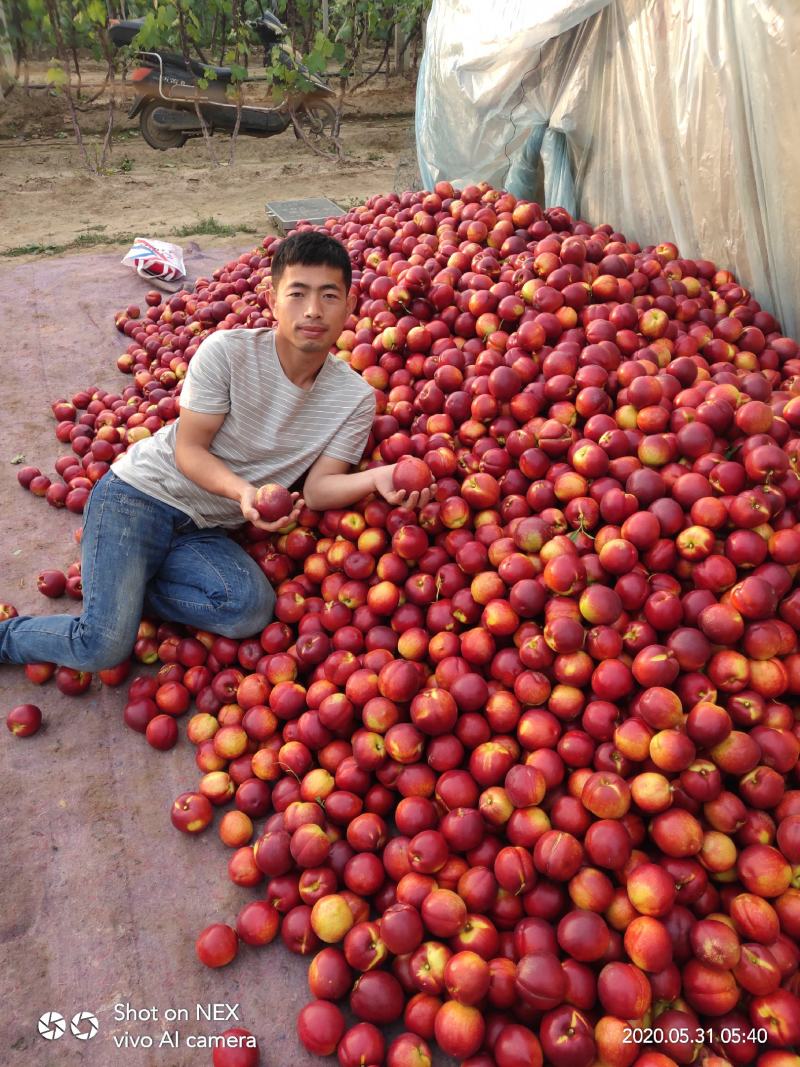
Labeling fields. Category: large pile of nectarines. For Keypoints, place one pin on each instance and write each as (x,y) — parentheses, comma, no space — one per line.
(519,768)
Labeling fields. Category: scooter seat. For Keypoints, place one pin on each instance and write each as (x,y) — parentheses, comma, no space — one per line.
(200,70)
(220,74)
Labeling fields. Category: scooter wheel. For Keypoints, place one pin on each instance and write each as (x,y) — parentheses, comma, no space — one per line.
(155,135)
(317,119)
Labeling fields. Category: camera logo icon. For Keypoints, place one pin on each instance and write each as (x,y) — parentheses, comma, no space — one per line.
(84,1025)
(52,1026)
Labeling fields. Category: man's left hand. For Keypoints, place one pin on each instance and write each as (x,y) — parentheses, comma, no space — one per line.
(399,497)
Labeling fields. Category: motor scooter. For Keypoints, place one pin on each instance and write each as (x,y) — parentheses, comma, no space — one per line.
(168,95)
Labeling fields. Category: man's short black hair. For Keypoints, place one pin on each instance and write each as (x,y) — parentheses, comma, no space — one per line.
(311,249)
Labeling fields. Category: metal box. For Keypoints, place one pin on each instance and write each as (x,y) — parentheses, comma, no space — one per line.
(314,209)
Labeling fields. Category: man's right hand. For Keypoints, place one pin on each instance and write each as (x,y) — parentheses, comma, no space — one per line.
(247,503)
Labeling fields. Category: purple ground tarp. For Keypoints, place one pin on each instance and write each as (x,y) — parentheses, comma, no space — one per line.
(100,897)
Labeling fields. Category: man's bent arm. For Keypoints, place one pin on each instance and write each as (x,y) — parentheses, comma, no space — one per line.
(194,458)
(329,484)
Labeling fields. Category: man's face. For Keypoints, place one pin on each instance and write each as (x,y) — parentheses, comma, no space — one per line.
(311,305)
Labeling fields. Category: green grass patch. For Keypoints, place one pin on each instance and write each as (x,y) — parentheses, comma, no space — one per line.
(212,227)
(91,237)
(28,250)
(88,239)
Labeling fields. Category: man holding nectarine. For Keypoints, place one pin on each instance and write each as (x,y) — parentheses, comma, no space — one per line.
(257,406)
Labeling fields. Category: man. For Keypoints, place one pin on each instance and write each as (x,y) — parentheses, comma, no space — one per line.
(257,406)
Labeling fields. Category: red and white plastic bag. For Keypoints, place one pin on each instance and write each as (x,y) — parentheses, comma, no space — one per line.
(159,261)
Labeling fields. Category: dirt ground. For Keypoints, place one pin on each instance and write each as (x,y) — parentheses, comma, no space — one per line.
(49,197)
(101,899)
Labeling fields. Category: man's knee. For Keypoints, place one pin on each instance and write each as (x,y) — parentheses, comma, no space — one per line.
(103,649)
(255,611)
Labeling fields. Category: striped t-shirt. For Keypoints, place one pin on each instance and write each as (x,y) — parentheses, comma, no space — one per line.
(273,430)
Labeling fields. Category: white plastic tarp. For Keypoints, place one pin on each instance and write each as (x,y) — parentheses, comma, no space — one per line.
(669,119)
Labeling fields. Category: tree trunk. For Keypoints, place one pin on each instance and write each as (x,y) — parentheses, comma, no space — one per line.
(63,58)
(223,36)
(414,36)
(73,45)
(308,31)
(105,151)
(200,118)
(7,67)
(237,57)
(399,53)
(360,41)
(74,50)
(109,55)
(214,28)
(384,58)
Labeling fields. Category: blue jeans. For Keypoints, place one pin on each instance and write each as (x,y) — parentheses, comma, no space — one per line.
(137,556)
